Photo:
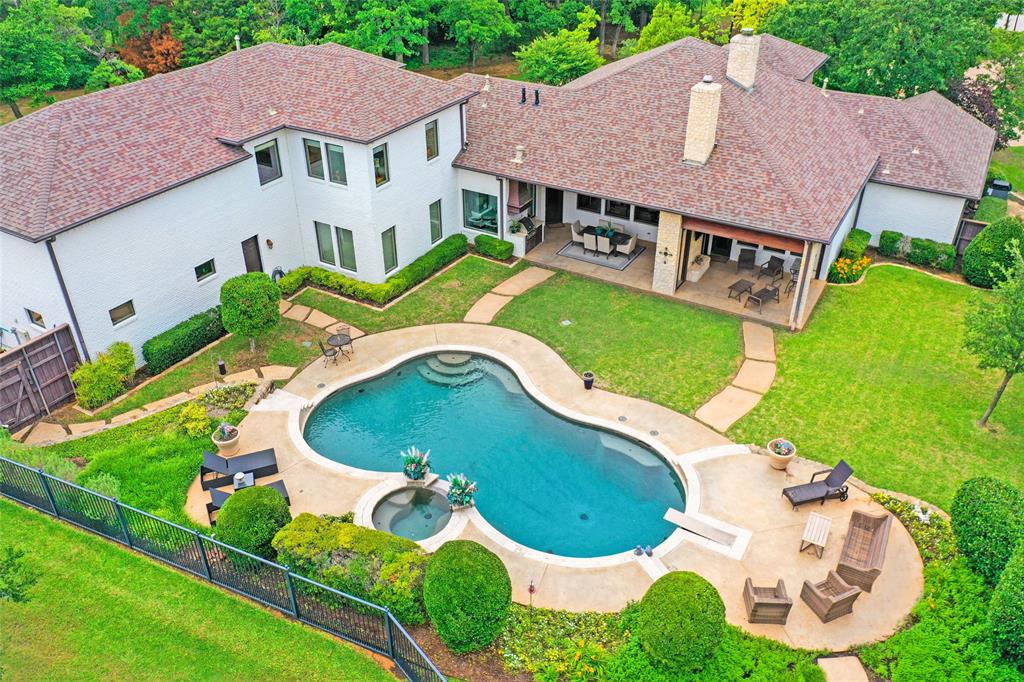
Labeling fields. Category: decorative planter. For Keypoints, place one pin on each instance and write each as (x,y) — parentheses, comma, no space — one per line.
(588,380)
(460,507)
(777,460)
(229,446)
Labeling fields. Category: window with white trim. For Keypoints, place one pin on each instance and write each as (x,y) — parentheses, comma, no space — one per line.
(119,314)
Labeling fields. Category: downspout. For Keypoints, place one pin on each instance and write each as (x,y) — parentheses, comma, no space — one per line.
(501,208)
(67,298)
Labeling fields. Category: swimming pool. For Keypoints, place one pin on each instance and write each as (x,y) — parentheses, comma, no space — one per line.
(544,481)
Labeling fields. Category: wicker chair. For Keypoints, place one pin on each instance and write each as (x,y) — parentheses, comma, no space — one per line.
(766,604)
(604,245)
(577,232)
(831,598)
(589,243)
(860,562)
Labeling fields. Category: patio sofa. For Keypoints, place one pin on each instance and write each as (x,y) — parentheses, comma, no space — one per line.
(217,471)
(219,497)
(834,486)
(860,562)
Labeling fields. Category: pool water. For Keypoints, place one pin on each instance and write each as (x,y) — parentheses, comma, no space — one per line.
(414,513)
(544,481)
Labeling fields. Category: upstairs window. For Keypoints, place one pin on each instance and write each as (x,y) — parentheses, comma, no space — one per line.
(204,270)
(314,158)
(585,202)
(336,164)
(324,243)
(122,312)
(268,162)
(432,145)
(381,172)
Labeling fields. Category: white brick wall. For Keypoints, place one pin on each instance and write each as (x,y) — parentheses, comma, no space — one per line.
(910,211)
(27,280)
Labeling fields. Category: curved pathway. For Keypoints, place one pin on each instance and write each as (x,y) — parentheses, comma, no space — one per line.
(755,377)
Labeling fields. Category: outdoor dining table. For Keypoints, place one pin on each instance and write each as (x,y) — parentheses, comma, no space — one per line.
(616,237)
(740,287)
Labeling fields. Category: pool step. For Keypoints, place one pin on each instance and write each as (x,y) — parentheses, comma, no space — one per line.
(454,359)
(438,365)
(452,381)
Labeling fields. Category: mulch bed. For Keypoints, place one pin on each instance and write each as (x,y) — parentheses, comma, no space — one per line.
(481,666)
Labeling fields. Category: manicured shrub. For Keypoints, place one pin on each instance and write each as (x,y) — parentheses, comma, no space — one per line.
(100,381)
(988,520)
(1006,611)
(420,269)
(989,248)
(493,247)
(249,305)
(681,622)
(182,340)
(251,518)
(890,243)
(379,567)
(932,254)
(855,243)
(468,594)
(193,420)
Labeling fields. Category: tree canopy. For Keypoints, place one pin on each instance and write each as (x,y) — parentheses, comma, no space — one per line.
(111,72)
(476,22)
(670,21)
(558,58)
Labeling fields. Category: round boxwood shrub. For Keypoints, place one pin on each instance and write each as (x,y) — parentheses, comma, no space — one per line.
(250,519)
(682,622)
(1006,611)
(249,305)
(988,520)
(989,249)
(468,594)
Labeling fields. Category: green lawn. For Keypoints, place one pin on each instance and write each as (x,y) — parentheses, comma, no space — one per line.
(637,344)
(445,298)
(1008,164)
(990,209)
(878,377)
(100,612)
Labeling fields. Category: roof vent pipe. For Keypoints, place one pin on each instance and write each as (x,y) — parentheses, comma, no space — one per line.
(743,50)
(238,42)
(702,121)
(522,98)
(487,82)
(520,154)
(536,97)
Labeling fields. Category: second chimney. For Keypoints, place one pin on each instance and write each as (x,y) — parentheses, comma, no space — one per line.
(702,121)
(743,50)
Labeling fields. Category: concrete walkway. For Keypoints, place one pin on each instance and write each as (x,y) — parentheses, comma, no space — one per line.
(843,669)
(487,307)
(755,377)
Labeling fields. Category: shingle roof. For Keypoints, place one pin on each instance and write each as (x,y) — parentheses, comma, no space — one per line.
(789,58)
(787,159)
(81,158)
(924,142)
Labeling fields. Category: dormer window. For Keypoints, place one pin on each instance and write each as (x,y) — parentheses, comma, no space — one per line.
(268,162)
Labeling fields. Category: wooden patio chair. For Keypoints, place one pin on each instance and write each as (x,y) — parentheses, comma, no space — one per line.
(747,260)
(831,598)
(766,604)
(773,268)
(762,296)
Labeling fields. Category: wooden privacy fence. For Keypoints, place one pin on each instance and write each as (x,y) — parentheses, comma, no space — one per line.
(35,377)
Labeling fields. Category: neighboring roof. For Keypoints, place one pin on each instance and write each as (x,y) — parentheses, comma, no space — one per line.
(787,159)
(81,158)
(925,142)
(789,58)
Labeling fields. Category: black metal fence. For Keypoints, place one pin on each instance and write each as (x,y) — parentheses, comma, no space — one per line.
(351,618)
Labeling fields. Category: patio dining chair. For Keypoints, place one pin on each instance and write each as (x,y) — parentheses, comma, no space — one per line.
(791,284)
(627,248)
(330,354)
(747,260)
(577,232)
(589,243)
(604,245)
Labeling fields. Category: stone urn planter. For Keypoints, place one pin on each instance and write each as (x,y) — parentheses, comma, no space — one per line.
(225,437)
(588,380)
(780,453)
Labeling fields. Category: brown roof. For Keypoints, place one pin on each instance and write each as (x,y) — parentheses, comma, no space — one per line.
(81,158)
(787,159)
(925,142)
(789,58)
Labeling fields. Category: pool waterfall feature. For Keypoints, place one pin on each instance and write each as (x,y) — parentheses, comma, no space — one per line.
(547,482)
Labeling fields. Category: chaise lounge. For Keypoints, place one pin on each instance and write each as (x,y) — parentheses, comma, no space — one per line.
(219,497)
(831,488)
(831,598)
(860,562)
(217,471)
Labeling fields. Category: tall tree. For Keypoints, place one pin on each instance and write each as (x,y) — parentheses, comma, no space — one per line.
(751,13)
(995,326)
(536,17)
(110,73)
(37,40)
(670,21)
(620,15)
(558,58)
(1003,72)
(387,27)
(207,28)
(477,22)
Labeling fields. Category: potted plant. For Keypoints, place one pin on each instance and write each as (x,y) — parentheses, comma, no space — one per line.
(225,437)
(460,491)
(415,464)
(588,380)
(780,453)
(515,227)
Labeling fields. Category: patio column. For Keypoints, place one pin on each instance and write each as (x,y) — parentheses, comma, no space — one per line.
(812,250)
(668,253)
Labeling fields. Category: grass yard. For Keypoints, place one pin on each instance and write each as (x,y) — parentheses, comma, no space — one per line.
(879,378)
(445,298)
(1009,164)
(990,209)
(637,344)
(100,612)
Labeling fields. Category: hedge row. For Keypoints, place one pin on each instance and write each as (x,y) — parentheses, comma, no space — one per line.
(932,254)
(855,244)
(182,340)
(493,247)
(420,269)
(890,244)
(1007,611)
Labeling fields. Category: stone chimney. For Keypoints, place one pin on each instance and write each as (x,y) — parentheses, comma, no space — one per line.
(743,50)
(702,121)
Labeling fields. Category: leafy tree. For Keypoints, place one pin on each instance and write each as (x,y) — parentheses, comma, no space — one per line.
(566,55)
(620,14)
(154,51)
(249,305)
(16,578)
(714,22)
(751,13)
(110,73)
(975,97)
(477,22)
(38,39)
(995,326)
(671,21)
(207,28)
(534,18)
(387,27)
(894,48)
(1003,73)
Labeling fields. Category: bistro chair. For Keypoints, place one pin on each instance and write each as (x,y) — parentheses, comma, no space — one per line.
(330,354)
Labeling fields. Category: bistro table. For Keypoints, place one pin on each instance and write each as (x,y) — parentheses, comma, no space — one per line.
(740,287)
(340,339)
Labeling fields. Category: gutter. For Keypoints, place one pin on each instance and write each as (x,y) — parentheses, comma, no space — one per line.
(67,298)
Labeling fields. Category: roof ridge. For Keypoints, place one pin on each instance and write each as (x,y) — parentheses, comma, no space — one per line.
(924,137)
(646,55)
(41,211)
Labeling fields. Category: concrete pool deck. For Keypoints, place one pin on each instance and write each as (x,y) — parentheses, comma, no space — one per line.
(734,488)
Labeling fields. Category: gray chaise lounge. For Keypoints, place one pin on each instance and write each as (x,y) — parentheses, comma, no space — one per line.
(864,549)
(217,471)
(831,488)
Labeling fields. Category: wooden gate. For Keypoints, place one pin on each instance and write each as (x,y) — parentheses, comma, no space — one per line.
(35,377)
(969,229)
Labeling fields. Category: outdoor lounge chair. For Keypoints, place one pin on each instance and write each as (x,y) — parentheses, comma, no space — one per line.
(217,471)
(747,260)
(831,598)
(773,268)
(766,604)
(219,497)
(628,247)
(831,488)
(762,296)
(860,562)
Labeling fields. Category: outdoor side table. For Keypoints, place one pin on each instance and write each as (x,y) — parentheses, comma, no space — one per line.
(816,533)
(244,480)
